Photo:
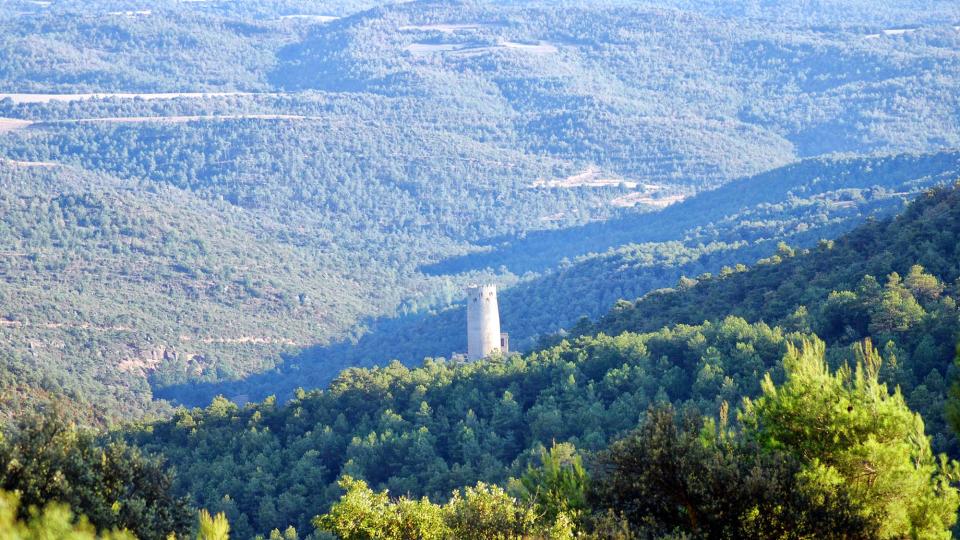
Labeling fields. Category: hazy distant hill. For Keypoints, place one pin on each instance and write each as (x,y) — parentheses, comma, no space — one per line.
(352,167)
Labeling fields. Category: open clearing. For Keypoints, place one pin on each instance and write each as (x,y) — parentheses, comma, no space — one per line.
(632,199)
(314,18)
(540,47)
(445,28)
(591,177)
(421,49)
(17,163)
(895,32)
(137,13)
(178,119)
(10,124)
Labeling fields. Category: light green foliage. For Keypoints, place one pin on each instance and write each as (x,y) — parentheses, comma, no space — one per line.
(898,309)
(557,486)
(213,527)
(922,285)
(54,522)
(488,512)
(850,431)
(288,534)
(362,514)
(481,512)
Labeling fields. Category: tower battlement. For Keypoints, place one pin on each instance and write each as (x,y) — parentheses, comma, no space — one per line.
(483,322)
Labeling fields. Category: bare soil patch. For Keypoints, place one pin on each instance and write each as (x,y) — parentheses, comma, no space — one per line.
(591,177)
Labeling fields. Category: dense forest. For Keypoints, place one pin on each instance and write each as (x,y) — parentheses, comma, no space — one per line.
(865,471)
(98,245)
(350,170)
(389,155)
(431,430)
(739,223)
(235,236)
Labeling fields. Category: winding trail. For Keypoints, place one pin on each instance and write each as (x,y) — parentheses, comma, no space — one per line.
(47,98)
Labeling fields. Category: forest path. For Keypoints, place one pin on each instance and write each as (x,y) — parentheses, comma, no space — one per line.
(10,124)
(47,98)
(175,119)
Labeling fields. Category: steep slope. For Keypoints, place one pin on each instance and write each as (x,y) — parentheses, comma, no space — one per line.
(736,224)
(428,430)
(104,282)
(925,234)
(896,281)
(392,156)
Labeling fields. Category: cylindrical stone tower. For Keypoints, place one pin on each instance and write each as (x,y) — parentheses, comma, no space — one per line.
(483,321)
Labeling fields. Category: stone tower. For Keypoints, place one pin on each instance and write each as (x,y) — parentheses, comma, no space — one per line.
(483,322)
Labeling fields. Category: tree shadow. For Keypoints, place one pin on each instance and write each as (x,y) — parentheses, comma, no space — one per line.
(541,250)
(562,294)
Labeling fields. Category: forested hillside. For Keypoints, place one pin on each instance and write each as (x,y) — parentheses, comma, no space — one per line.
(333,174)
(235,237)
(734,225)
(429,430)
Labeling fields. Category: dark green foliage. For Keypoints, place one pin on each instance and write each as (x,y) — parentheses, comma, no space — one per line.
(925,234)
(434,429)
(676,475)
(838,283)
(45,460)
(740,222)
(557,486)
(447,425)
(823,455)
(384,173)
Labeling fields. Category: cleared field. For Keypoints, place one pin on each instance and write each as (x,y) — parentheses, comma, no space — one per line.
(540,47)
(421,49)
(314,18)
(445,28)
(591,177)
(17,163)
(632,199)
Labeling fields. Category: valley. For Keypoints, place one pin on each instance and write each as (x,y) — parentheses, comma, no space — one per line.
(236,239)
(388,166)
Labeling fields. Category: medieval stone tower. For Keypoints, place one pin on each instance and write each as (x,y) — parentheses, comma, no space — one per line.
(483,322)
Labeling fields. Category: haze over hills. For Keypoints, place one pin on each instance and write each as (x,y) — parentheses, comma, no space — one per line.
(389,157)
(724,235)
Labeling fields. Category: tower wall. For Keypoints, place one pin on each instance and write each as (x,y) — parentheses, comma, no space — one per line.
(483,321)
